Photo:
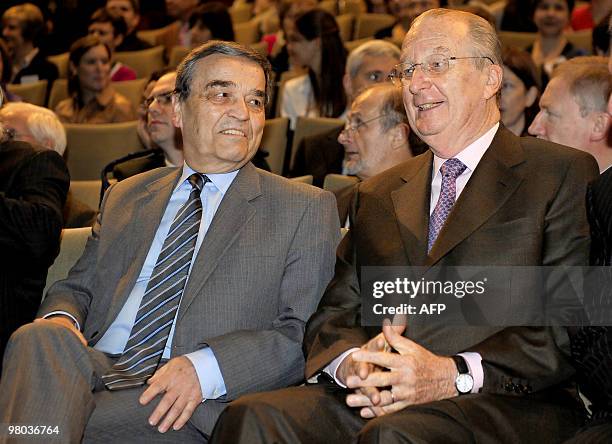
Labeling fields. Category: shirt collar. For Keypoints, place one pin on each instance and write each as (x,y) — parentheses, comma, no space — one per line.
(471,154)
(221,181)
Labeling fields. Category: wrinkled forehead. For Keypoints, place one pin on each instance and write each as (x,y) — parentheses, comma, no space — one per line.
(433,37)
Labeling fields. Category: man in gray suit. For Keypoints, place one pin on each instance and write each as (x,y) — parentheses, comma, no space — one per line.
(236,289)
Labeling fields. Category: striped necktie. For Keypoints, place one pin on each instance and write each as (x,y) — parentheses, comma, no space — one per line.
(161,299)
(450,170)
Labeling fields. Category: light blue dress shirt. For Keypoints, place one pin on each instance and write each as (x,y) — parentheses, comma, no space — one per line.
(114,339)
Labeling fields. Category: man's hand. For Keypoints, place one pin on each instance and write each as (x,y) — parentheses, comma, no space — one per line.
(65,321)
(351,368)
(179,383)
(415,375)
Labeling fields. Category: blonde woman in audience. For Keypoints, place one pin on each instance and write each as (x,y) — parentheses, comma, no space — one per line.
(92,98)
(315,43)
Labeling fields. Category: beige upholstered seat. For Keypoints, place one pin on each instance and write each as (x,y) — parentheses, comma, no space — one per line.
(366,25)
(355,7)
(87,191)
(71,247)
(274,141)
(309,126)
(34,92)
(144,62)
(92,146)
(177,54)
(241,12)
(304,179)
(335,182)
(61,61)
(131,89)
(345,23)
(247,33)
(350,45)
(150,35)
(519,40)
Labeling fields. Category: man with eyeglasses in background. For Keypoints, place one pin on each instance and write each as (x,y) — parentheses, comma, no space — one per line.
(480,196)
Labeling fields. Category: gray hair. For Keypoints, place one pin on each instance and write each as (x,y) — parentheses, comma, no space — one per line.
(43,124)
(391,107)
(184,73)
(589,82)
(484,41)
(373,48)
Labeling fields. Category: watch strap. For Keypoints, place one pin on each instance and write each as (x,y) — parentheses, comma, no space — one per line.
(461,364)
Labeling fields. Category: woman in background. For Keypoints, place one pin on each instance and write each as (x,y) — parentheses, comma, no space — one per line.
(316,44)
(520,91)
(92,98)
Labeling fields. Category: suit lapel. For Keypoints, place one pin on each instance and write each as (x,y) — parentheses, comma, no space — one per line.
(411,204)
(491,184)
(150,203)
(233,214)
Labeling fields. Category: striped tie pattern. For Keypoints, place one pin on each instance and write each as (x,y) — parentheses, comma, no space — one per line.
(450,170)
(162,296)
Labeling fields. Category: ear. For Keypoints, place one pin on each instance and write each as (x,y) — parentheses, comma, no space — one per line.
(177,116)
(117,40)
(398,136)
(347,85)
(530,96)
(600,126)
(495,75)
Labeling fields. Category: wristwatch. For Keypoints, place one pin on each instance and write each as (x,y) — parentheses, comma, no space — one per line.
(464,382)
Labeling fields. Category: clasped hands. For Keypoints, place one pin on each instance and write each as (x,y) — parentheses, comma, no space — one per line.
(386,382)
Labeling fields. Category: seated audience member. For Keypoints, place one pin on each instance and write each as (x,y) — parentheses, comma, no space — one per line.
(178,32)
(39,126)
(366,65)
(22,28)
(160,130)
(377,6)
(601,38)
(129,10)
(142,111)
(210,21)
(316,44)
(111,31)
(33,187)
(520,91)
(266,13)
(255,252)
(586,16)
(5,73)
(479,196)
(592,346)
(551,47)
(573,108)
(92,98)
(375,138)
(405,11)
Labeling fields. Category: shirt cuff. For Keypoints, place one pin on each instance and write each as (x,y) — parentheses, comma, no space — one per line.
(474,363)
(64,313)
(332,367)
(209,373)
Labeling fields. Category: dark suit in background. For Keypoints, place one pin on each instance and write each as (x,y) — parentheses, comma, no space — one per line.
(33,187)
(592,346)
(522,206)
(319,155)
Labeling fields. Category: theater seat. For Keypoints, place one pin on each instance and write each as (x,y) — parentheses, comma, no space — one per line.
(71,247)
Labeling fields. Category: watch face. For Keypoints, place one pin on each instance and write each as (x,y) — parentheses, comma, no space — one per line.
(464,383)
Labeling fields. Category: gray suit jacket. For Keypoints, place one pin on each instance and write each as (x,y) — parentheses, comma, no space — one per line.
(258,276)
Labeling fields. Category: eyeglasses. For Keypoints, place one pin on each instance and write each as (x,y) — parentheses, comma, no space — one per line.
(163,99)
(435,64)
(351,126)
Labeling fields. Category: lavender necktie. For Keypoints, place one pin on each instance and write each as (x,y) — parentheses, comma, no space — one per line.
(451,169)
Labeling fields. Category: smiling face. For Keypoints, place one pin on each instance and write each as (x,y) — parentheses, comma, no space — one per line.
(448,110)
(223,118)
(11,32)
(551,17)
(94,69)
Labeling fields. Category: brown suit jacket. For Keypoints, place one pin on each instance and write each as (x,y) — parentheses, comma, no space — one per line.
(523,205)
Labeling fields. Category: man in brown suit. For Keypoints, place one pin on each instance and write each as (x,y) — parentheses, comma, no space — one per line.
(515,202)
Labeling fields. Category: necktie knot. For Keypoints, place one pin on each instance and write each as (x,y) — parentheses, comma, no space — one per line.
(197,181)
(452,168)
